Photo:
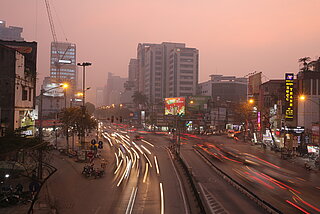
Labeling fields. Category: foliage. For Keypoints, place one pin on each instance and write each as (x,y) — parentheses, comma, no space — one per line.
(139,98)
(304,61)
(15,141)
(73,119)
(90,108)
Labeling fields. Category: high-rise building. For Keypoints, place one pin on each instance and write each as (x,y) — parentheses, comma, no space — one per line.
(113,89)
(10,33)
(225,88)
(309,86)
(63,66)
(159,71)
(183,72)
(99,97)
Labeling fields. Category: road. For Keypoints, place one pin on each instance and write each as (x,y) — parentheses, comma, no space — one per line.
(140,178)
(288,187)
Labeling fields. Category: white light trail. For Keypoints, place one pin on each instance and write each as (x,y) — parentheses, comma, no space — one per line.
(150,144)
(146,173)
(147,150)
(117,159)
(132,200)
(115,172)
(162,199)
(157,167)
(137,147)
(148,159)
(124,173)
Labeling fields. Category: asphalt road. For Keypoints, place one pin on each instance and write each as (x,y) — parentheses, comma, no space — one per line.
(287,186)
(139,178)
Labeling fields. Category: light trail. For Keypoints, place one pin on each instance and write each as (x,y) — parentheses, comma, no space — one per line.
(117,159)
(162,199)
(157,167)
(150,144)
(146,173)
(296,206)
(147,150)
(148,159)
(137,147)
(132,200)
(124,173)
(115,172)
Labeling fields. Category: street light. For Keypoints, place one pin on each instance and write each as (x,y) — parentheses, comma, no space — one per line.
(251,101)
(40,127)
(84,65)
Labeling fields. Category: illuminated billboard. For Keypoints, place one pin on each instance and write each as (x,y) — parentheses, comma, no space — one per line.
(289,77)
(53,90)
(175,106)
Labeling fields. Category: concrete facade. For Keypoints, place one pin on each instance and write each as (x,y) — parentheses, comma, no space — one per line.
(225,88)
(18,83)
(10,33)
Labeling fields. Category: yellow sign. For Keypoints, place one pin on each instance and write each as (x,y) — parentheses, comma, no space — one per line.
(289,77)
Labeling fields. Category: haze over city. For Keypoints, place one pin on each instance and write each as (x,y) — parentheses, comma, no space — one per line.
(233,37)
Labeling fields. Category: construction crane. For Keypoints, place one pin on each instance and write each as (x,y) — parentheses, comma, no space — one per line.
(60,61)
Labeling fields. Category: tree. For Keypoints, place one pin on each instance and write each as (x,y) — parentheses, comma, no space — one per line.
(304,61)
(90,107)
(139,98)
(72,119)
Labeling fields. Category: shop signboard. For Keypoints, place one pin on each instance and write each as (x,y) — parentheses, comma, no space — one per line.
(175,106)
(289,77)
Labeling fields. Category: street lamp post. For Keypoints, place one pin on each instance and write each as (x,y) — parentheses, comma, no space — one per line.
(84,65)
(40,129)
(303,99)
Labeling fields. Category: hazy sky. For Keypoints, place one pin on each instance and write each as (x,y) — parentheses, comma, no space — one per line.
(234,37)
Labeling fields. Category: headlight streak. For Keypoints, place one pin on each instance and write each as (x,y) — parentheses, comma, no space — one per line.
(115,172)
(147,159)
(117,159)
(128,170)
(147,150)
(132,200)
(137,147)
(146,173)
(157,167)
(150,144)
(162,199)
(124,173)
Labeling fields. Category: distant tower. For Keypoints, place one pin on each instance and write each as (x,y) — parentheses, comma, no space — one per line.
(10,33)
(63,63)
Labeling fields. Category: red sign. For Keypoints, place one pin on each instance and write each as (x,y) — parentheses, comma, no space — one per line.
(90,155)
(175,106)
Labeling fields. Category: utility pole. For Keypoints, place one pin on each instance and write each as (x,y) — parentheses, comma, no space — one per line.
(84,64)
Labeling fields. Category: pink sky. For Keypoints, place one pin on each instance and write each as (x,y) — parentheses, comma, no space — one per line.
(234,37)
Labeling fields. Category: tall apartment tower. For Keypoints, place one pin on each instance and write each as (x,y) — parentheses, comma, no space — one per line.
(63,66)
(156,70)
(132,74)
(10,33)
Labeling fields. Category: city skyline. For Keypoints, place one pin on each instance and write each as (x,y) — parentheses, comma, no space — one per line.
(264,36)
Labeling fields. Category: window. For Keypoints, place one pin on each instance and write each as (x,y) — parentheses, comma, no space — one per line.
(30,94)
(158,63)
(186,54)
(186,60)
(187,77)
(24,94)
(187,71)
(186,82)
(158,52)
(186,88)
(186,66)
